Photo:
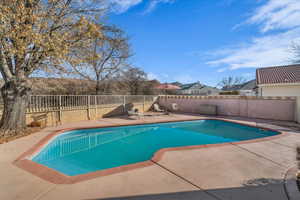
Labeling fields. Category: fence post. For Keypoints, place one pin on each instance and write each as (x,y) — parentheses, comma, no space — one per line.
(28,110)
(144,99)
(298,110)
(96,107)
(88,107)
(60,110)
(124,103)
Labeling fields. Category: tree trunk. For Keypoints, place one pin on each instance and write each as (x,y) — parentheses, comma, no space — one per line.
(15,96)
(98,88)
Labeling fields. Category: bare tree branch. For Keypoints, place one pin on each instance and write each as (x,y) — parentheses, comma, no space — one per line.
(231,81)
(104,58)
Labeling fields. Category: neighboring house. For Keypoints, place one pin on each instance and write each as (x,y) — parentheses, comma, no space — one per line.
(198,89)
(245,89)
(279,81)
(177,84)
(167,89)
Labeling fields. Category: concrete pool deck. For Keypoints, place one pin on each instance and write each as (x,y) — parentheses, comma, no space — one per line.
(234,171)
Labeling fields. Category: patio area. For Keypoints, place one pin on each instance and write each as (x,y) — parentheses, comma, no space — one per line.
(254,170)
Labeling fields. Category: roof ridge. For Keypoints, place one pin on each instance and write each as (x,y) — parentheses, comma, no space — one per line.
(278,66)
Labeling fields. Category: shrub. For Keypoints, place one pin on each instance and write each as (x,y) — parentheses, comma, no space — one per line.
(230,93)
(35,124)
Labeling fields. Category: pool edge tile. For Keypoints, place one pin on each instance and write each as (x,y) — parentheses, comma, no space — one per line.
(56,177)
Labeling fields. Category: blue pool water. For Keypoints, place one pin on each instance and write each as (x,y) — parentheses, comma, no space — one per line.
(83,151)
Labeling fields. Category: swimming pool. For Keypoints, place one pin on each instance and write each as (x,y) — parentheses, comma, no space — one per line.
(88,150)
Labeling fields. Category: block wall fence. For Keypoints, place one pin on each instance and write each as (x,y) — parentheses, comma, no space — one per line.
(273,108)
(61,109)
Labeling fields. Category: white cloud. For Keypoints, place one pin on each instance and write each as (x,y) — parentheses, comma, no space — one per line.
(153,4)
(248,76)
(121,6)
(152,76)
(277,14)
(270,48)
(160,77)
(260,52)
(183,78)
(222,70)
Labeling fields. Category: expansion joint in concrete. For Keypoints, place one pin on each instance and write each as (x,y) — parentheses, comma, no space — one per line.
(186,180)
(261,156)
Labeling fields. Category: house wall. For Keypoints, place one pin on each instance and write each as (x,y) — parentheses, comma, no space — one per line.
(198,92)
(279,108)
(185,92)
(287,90)
(247,93)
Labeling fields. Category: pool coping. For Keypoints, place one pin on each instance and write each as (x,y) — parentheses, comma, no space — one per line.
(56,177)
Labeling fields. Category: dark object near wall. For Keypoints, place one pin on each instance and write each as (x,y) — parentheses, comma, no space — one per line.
(298,159)
(230,93)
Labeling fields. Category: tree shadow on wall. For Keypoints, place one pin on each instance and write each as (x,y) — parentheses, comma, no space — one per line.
(119,111)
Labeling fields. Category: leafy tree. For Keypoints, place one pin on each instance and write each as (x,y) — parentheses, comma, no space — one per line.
(103,59)
(36,36)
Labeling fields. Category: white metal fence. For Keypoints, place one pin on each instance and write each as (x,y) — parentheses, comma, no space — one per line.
(44,103)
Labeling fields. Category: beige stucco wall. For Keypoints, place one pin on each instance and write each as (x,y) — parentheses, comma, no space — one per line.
(287,90)
(76,114)
(252,107)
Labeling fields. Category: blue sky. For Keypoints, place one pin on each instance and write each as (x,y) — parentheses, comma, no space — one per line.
(206,40)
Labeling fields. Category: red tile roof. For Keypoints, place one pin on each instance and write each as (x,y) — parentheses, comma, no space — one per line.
(278,75)
(167,87)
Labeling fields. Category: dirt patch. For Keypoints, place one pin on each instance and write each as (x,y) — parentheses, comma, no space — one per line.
(28,131)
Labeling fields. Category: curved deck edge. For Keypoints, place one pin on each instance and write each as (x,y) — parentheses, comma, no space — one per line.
(56,177)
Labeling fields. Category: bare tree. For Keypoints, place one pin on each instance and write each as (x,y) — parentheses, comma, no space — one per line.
(231,81)
(38,35)
(295,49)
(104,58)
(133,79)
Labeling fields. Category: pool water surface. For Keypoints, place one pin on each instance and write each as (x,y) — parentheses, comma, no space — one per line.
(88,150)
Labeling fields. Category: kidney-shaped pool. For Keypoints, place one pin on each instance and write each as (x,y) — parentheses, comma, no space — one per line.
(83,151)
